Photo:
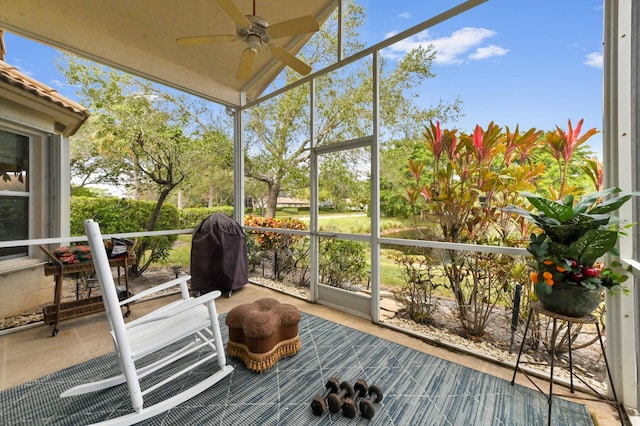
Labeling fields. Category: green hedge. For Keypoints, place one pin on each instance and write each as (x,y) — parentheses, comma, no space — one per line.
(343,263)
(191,217)
(123,215)
(119,215)
(290,210)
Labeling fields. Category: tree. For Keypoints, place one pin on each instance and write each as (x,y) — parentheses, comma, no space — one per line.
(342,181)
(148,138)
(89,163)
(278,143)
(210,182)
(395,177)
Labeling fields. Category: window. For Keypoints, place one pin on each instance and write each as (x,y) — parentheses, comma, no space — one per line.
(14,192)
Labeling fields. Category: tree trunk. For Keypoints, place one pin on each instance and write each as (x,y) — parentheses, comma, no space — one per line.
(210,197)
(136,185)
(136,269)
(158,207)
(272,200)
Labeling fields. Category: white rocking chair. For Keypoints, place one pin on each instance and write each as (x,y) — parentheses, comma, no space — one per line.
(172,323)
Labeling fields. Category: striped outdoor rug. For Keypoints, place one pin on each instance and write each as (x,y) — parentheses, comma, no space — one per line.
(419,389)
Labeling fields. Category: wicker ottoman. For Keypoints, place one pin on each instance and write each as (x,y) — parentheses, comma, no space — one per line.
(262,332)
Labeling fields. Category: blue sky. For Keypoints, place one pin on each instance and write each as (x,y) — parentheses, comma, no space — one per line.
(536,63)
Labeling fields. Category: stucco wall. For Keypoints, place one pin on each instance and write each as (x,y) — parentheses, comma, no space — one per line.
(25,290)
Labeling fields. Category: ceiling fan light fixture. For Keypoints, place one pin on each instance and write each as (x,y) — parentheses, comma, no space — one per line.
(254,42)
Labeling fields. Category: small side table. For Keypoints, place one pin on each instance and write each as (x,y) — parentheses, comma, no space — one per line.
(59,311)
(587,319)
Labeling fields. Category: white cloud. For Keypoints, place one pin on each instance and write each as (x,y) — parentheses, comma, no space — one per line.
(405,15)
(390,34)
(594,60)
(19,63)
(453,49)
(488,52)
(57,83)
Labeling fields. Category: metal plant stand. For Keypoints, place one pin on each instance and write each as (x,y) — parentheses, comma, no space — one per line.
(587,319)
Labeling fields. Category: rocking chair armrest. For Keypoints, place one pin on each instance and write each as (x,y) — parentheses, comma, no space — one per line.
(182,280)
(174,308)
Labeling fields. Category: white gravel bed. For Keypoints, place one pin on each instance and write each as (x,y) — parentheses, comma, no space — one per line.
(488,351)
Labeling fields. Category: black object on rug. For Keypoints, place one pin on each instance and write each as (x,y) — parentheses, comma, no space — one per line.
(419,389)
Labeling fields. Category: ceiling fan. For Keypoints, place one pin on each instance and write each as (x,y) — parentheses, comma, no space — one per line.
(257,33)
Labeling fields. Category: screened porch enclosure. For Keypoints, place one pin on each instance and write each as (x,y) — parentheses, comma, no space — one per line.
(362,146)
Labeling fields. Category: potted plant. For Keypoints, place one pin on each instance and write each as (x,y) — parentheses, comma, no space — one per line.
(567,276)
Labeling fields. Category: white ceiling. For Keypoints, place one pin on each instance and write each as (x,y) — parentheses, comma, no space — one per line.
(139,36)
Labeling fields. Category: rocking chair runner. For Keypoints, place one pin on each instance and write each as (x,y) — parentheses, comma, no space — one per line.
(172,323)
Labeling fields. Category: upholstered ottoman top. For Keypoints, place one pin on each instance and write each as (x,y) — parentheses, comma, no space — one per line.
(262,332)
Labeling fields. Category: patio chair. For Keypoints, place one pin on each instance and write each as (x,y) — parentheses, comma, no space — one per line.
(193,322)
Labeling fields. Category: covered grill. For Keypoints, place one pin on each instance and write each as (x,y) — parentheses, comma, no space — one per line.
(218,255)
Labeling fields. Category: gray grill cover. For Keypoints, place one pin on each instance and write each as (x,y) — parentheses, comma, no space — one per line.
(218,255)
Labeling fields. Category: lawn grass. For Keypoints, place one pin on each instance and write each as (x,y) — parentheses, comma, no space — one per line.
(180,253)
(353,223)
(348,224)
(390,273)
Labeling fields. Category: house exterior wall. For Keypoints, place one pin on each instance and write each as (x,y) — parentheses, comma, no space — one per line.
(24,290)
(23,286)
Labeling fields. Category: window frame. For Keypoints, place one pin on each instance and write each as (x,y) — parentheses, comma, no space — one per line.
(31,176)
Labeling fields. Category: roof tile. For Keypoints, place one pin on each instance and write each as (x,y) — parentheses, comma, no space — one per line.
(12,76)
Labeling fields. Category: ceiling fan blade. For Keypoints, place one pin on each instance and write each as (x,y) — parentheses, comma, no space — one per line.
(236,14)
(290,60)
(246,64)
(206,39)
(302,25)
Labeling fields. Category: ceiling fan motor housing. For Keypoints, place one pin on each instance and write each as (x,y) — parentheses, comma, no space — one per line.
(258,28)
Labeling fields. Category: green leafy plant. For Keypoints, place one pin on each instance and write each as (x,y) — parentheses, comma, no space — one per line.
(575,234)
(462,181)
(280,245)
(266,240)
(418,291)
(343,263)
